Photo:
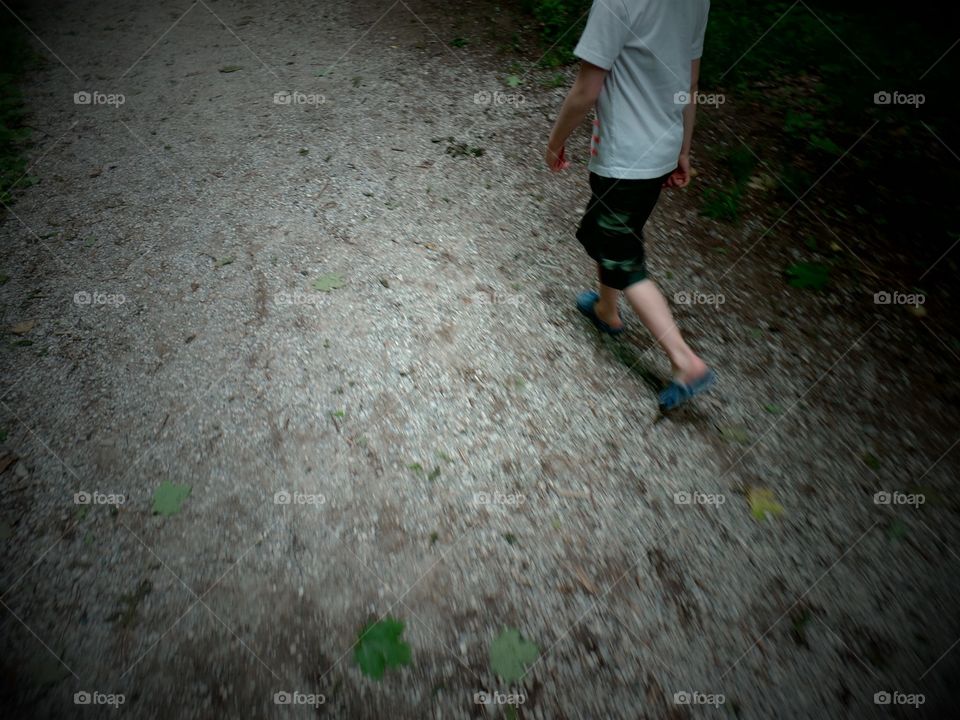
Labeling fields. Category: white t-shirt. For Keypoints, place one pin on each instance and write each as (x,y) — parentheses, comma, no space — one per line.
(647,45)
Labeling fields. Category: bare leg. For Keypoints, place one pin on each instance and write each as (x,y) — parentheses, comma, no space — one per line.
(607,307)
(650,305)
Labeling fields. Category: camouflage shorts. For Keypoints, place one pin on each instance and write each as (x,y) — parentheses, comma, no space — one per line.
(611,230)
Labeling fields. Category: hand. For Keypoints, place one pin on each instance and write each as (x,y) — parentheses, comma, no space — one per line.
(556,158)
(680,177)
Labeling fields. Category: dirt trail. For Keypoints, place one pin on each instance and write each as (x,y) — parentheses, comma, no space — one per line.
(167,262)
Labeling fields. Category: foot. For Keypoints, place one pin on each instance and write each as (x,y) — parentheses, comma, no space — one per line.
(587,303)
(677,393)
(691,370)
(609,316)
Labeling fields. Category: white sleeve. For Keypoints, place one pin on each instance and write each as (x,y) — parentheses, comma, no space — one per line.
(605,34)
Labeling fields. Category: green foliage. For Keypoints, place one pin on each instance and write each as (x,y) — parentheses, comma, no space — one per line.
(510,655)
(762,503)
(379,646)
(326,283)
(808,275)
(722,203)
(168,498)
(15,58)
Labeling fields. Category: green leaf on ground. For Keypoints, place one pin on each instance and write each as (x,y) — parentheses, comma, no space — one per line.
(434,474)
(513,80)
(225,261)
(329,282)
(871,461)
(230,68)
(762,503)
(735,434)
(379,646)
(808,275)
(510,654)
(897,530)
(458,42)
(169,497)
(773,408)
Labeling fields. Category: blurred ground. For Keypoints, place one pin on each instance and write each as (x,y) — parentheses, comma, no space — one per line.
(443,366)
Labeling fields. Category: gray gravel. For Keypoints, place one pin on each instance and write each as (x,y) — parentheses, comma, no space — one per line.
(450,363)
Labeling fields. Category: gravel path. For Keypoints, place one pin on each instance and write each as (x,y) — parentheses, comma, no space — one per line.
(464,453)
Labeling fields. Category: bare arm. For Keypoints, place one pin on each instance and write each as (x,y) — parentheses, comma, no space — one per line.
(690,111)
(578,103)
(681,176)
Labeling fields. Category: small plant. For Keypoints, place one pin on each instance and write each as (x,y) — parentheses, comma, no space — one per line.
(379,646)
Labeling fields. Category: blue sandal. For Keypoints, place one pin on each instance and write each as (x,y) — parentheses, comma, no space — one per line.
(677,393)
(586,301)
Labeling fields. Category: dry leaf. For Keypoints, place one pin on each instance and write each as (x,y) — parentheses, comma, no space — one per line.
(22,328)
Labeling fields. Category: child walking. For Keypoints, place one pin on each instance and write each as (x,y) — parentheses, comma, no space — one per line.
(640,66)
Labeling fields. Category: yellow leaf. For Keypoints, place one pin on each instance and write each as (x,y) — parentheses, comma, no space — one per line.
(762,503)
(22,328)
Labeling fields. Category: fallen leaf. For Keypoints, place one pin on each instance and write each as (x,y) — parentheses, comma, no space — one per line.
(169,497)
(380,646)
(510,654)
(585,580)
(734,434)
(762,503)
(329,282)
(7,460)
(230,68)
(22,328)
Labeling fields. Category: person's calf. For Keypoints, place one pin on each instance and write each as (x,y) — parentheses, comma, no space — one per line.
(608,307)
